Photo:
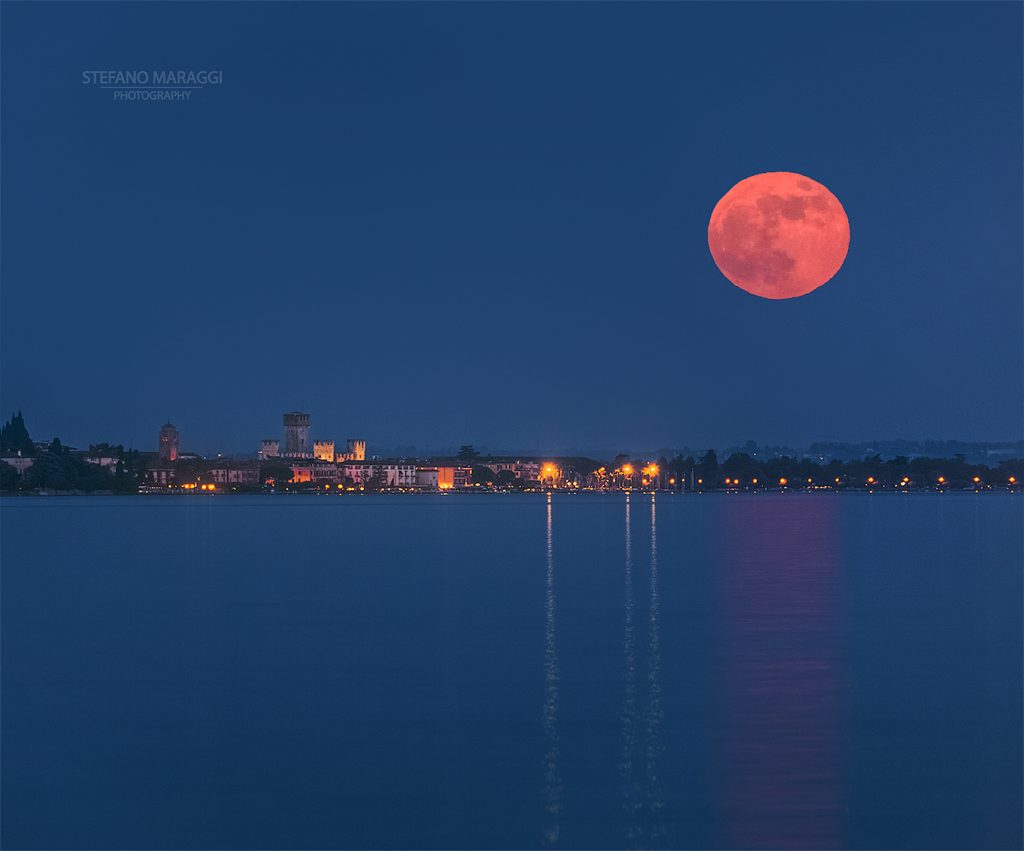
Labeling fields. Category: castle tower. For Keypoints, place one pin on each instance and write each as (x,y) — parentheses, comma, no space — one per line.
(270,449)
(296,433)
(323,450)
(356,449)
(168,443)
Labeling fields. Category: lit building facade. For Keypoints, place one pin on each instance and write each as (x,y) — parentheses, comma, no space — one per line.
(236,473)
(323,450)
(443,478)
(161,475)
(388,474)
(15,459)
(355,450)
(398,474)
(100,459)
(326,471)
(529,471)
(301,473)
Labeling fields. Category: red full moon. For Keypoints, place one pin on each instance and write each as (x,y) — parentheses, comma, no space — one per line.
(779,234)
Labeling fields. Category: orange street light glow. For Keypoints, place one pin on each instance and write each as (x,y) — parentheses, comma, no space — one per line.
(783,482)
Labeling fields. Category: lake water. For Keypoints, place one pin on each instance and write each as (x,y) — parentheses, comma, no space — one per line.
(770,671)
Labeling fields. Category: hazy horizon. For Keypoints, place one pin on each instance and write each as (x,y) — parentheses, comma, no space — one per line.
(427,448)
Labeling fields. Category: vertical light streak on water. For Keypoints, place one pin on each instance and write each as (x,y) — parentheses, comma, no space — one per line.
(630,714)
(655,713)
(552,777)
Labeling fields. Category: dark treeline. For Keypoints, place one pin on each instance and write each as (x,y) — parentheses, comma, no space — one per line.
(55,467)
(14,437)
(741,469)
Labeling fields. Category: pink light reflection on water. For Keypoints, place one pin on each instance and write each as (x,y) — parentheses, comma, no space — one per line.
(780,674)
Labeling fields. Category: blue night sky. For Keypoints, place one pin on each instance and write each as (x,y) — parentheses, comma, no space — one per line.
(443,223)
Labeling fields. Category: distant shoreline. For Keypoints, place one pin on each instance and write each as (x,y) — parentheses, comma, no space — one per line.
(483,493)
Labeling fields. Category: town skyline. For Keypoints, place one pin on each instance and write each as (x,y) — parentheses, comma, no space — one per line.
(303,463)
(886,446)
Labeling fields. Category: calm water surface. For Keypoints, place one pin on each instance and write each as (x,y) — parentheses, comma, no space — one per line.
(793,671)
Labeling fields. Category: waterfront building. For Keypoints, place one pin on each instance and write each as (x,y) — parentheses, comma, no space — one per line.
(301,473)
(387,474)
(168,443)
(161,475)
(499,466)
(443,477)
(527,471)
(397,474)
(100,459)
(359,472)
(313,471)
(243,473)
(428,478)
(16,460)
(326,471)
